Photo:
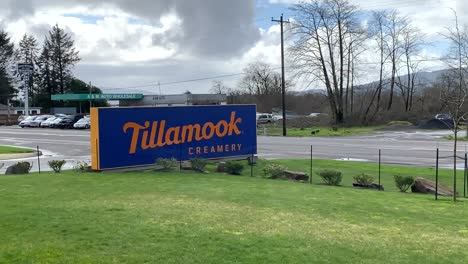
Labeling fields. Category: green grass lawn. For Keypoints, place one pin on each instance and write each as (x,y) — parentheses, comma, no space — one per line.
(186,217)
(451,137)
(14,150)
(324,131)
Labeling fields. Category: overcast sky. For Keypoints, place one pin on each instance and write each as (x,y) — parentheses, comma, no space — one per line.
(126,43)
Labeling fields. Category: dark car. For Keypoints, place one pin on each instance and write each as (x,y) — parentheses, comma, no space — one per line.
(68,121)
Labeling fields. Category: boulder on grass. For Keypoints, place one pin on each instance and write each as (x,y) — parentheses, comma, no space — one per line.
(19,168)
(426,186)
(186,165)
(296,175)
(372,186)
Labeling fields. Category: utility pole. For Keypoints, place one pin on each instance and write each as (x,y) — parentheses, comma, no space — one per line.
(283,82)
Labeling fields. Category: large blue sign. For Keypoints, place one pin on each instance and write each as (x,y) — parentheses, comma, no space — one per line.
(132,137)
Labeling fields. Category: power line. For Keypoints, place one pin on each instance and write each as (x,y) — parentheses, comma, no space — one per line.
(182,81)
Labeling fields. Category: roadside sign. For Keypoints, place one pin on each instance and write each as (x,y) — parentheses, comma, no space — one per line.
(86,97)
(134,137)
(25,69)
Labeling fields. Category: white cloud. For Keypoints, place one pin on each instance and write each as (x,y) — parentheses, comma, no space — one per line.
(128,43)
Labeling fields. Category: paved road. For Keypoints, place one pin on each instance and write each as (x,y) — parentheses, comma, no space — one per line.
(411,148)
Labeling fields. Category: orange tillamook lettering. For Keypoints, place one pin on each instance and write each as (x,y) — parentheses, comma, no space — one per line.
(158,136)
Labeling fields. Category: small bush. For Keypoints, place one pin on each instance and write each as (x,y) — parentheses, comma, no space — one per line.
(81,166)
(166,164)
(331,177)
(403,183)
(198,164)
(234,167)
(274,171)
(57,165)
(364,179)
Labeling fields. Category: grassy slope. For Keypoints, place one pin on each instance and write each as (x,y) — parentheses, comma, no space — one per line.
(324,131)
(14,150)
(195,218)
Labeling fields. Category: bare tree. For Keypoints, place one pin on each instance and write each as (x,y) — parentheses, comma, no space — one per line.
(396,27)
(260,79)
(412,42)
(454,95)
(218,87)
(323,33)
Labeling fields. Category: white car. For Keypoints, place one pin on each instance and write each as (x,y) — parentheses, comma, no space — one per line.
(83,123)
(264,118)
(47,122)
(27,121)
(38,121)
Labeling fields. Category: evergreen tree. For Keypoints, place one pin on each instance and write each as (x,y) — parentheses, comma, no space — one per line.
(63,56)
(55,63)
(6,55)
(27,53)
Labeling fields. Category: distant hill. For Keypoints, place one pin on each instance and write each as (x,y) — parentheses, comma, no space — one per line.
(423,80)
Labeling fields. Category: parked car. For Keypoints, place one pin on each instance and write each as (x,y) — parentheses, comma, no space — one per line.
(83,123)
(68,121)
(21,118)
(27,121)
(48,121)
(38,121)
(443,117)
(54,123)
(264,118)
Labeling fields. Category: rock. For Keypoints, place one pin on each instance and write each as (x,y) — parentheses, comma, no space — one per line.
(426,186)
(19,168)
(296,175)
(221,167)
(186,165)
(373,186)
(10,170)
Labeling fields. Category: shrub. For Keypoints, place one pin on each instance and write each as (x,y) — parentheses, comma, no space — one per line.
(57,165)
(166,164)
(198,164)
(364,179)
(274,171)
(403,183)
(331,177)
(234,167)
(81,166)
(22,167)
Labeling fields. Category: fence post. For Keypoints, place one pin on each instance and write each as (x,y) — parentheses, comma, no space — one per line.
(38,159)
(465,174)
(311,164)
(380,166)
(251,164)
(437,174)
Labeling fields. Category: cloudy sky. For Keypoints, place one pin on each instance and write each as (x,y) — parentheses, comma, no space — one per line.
(132,45)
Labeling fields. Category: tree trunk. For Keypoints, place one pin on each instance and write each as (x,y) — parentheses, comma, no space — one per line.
(392,84)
